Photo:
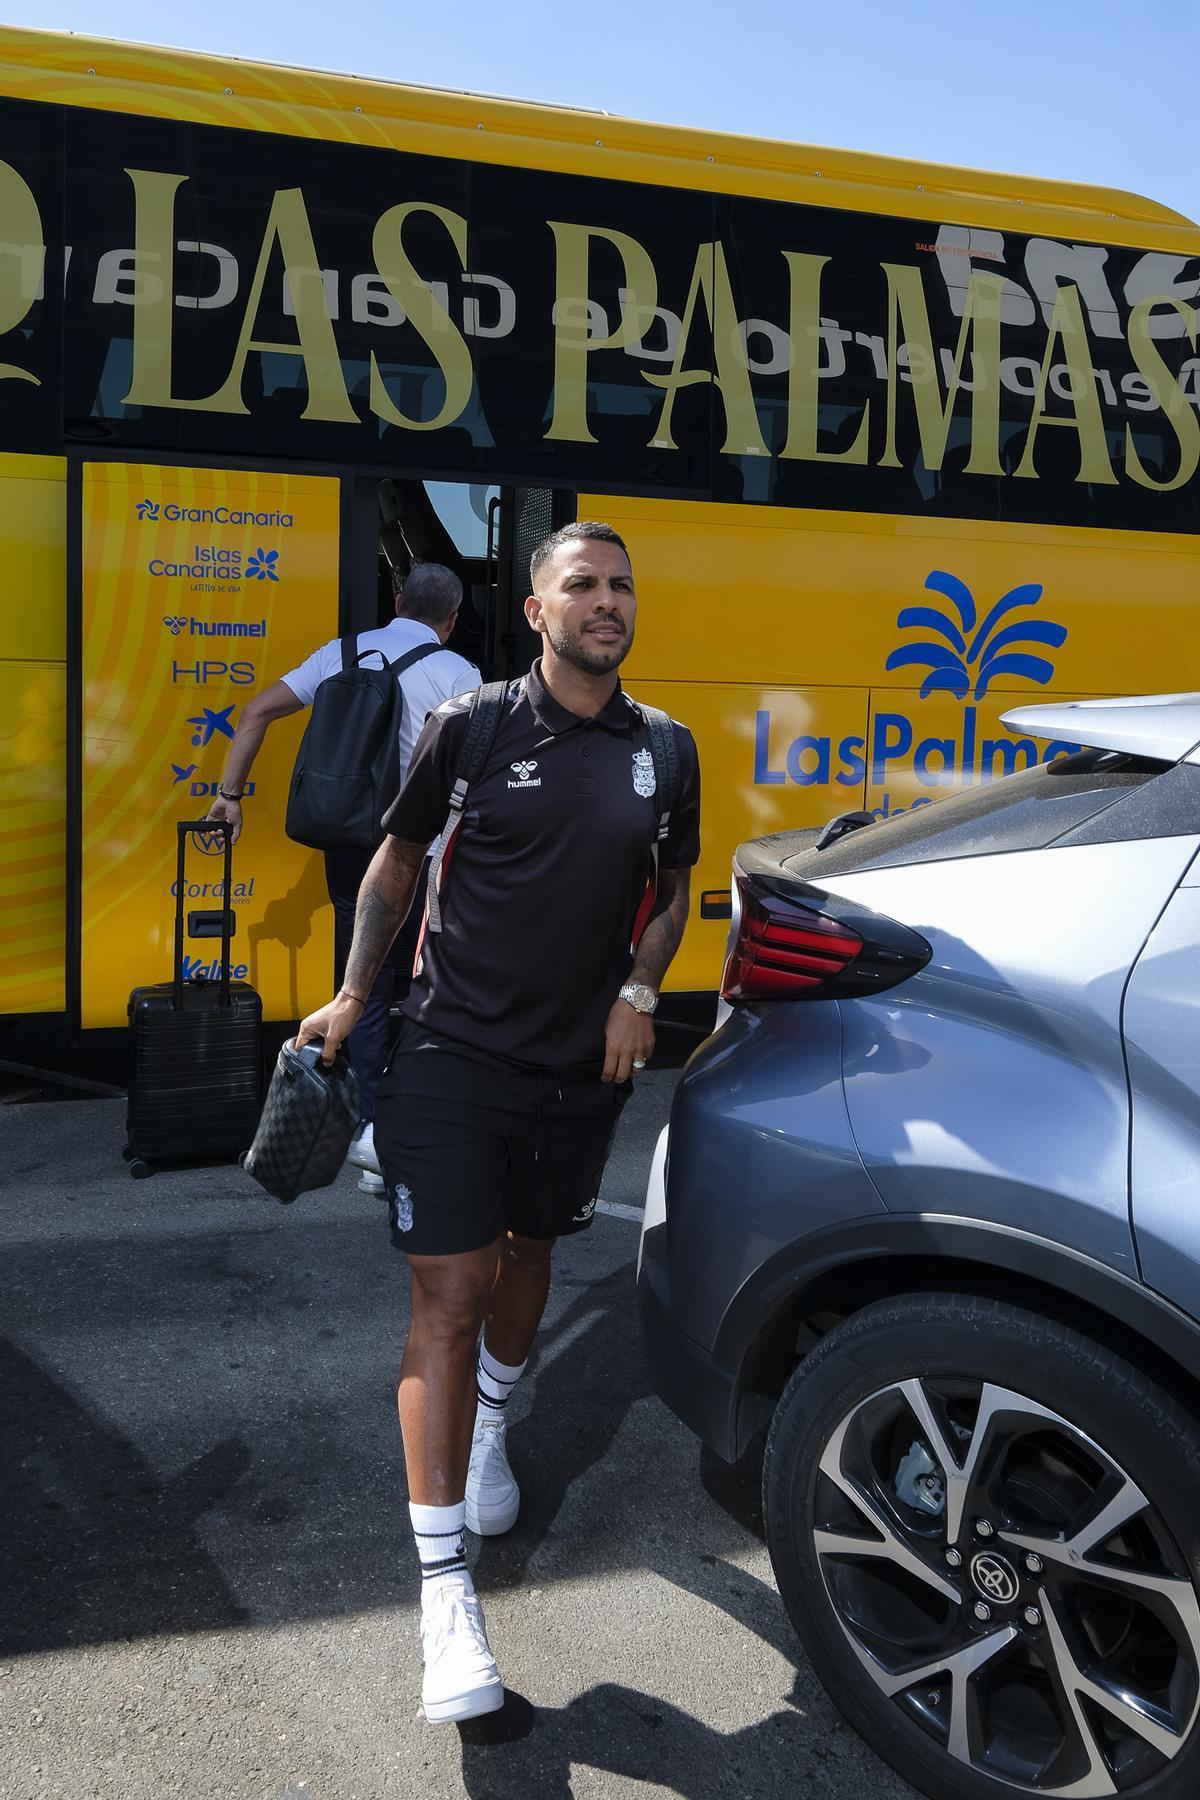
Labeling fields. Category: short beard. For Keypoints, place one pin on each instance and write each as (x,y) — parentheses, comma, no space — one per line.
(590,662)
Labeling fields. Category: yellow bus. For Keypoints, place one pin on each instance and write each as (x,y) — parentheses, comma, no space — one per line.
(892,446)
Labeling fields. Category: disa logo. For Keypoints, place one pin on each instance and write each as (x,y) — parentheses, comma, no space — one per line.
(964,658)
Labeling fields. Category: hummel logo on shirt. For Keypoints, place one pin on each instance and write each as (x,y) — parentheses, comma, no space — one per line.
(523,771)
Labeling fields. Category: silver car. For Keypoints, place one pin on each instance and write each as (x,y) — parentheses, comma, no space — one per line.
(929,1204)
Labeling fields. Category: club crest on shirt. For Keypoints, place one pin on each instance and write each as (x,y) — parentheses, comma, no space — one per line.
(643,773)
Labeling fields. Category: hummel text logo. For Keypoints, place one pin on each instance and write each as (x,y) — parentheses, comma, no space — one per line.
(524,774)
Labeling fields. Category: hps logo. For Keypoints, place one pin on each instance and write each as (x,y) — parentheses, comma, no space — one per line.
(964,658)
(147,509)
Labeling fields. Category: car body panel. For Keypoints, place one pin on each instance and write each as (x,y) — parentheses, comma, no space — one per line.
(1162,1037)
(993,1084)
(761,1152)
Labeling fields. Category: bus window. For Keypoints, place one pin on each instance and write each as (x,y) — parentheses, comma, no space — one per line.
(463,509)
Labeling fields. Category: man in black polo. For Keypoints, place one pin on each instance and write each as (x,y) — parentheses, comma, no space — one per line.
(529,1014)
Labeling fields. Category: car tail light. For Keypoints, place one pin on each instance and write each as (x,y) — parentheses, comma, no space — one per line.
(812,946)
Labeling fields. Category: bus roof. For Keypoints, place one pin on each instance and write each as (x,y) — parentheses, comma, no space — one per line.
(162,82)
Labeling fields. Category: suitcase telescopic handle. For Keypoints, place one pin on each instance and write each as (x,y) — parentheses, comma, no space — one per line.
(204,828)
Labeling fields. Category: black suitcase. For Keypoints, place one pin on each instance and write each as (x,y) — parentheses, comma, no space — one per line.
(195,1079)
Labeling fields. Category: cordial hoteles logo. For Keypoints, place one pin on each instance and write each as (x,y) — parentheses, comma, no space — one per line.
(964,658)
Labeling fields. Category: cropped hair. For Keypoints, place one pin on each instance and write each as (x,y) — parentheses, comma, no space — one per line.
(429,593)
(587,530)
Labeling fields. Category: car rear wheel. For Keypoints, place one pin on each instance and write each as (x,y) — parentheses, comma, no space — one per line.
(985,1528)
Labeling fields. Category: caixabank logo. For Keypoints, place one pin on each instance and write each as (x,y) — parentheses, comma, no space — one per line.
(962,655)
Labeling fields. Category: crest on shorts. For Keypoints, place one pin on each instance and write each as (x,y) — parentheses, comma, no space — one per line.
(643,773)
(402,1207)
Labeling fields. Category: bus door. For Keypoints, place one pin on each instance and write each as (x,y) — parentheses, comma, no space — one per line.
(486,534)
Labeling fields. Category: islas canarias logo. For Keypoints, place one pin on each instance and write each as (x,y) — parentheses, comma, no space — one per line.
(965,650)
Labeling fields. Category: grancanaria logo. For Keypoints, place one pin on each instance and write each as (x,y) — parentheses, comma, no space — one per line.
(957,661)
(964,657)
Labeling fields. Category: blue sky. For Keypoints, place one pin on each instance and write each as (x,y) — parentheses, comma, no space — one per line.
(1103,92)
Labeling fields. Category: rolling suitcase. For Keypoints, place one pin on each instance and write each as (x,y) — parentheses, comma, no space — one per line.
(195,1079)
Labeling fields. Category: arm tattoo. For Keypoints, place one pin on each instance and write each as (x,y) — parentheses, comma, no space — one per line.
(384,900)
(662,935)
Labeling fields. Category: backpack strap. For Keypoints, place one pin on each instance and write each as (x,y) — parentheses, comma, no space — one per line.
(352,655)
(483,722)
(664,751)
(410,657)
(668,775)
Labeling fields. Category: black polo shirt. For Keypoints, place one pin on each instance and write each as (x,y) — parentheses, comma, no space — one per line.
(542,887)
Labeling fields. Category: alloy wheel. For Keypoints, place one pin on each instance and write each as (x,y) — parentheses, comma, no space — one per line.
(1008,1586)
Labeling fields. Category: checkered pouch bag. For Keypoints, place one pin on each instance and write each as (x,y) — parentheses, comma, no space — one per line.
(308,1119)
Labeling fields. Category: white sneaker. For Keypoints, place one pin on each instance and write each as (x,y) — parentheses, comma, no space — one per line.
(361,1153)
(461,1677)
(371,1184)
(493,1497)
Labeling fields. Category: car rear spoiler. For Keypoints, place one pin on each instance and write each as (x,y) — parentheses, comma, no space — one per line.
(1163,726)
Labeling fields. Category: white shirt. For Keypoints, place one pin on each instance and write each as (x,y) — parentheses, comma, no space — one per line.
(426,685)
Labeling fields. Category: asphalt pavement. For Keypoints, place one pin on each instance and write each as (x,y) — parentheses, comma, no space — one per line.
(209,1584)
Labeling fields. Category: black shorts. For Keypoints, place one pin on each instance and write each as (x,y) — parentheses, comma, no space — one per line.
(473,1146)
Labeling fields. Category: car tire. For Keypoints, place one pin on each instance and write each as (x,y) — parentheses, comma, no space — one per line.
(1031,1438)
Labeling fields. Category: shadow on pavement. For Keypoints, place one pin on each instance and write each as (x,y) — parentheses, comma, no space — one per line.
(586,1372)
(202,1433)
(524,1750)
(89,1541)
(621,1731)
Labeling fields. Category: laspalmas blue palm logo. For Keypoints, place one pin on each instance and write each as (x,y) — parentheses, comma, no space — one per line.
(967,657)
(963,654)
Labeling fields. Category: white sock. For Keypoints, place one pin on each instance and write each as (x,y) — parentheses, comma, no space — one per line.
(439,1534)
(494,1382)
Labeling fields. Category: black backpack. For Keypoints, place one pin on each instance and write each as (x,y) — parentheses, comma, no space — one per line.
(347,770)
(483,722)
